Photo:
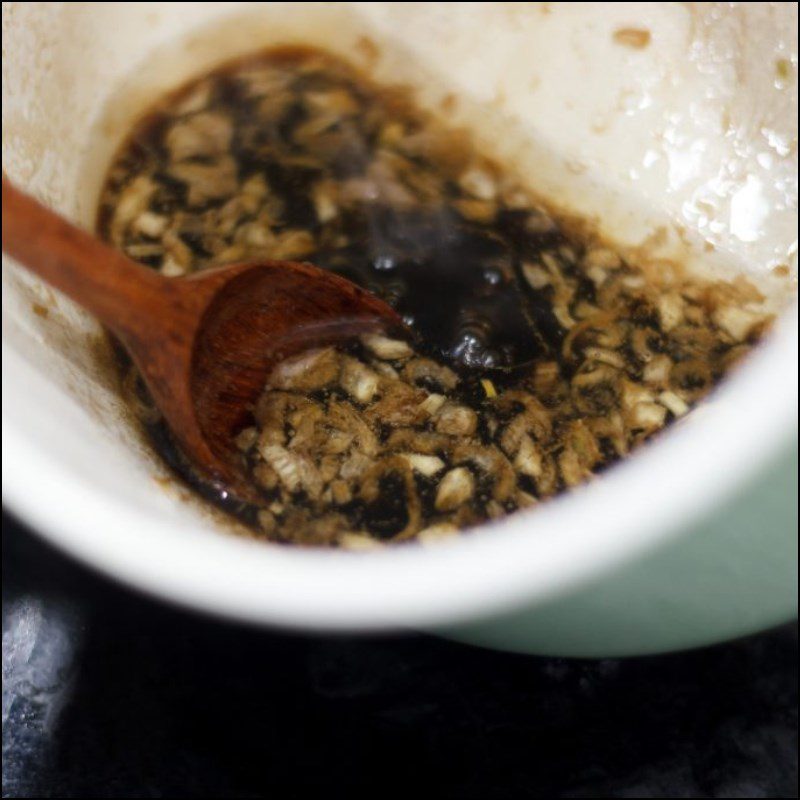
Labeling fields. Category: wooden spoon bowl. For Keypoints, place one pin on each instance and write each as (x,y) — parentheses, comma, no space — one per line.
(204,344)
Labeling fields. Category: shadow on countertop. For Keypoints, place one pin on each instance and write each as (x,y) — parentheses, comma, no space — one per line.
(108,694)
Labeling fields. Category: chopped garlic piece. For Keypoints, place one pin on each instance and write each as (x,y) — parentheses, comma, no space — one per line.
(455,489)
(676,405)
(425,465)
(385,348)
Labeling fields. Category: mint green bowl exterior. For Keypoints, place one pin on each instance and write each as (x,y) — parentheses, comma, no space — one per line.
(731,574)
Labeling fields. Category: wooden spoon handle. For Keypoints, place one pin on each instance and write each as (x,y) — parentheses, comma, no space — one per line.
(124,295)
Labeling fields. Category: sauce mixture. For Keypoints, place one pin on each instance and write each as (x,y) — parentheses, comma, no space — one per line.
(543,356)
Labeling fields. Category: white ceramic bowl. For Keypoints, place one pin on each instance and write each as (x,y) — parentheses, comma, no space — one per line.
(691,540)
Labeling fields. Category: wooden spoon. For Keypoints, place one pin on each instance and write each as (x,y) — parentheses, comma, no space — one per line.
(205,344)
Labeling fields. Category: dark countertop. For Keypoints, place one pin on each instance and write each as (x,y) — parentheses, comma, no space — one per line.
(108,694)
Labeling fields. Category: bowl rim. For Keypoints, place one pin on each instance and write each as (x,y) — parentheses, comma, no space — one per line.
(526,558)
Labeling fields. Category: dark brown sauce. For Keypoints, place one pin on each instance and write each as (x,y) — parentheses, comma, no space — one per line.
(453,280)
(321,164)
